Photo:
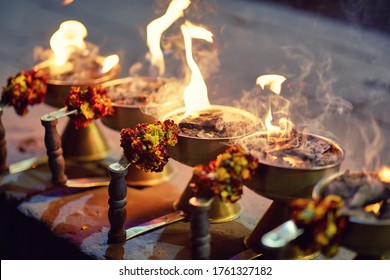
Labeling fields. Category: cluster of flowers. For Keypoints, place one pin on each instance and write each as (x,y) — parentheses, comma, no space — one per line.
(146,145)
(91,103)
(321,222)
(226,175)
(28,87)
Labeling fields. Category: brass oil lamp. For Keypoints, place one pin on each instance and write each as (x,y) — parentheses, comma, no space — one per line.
(284,182)
(84,144)
(132,110)
(368,237)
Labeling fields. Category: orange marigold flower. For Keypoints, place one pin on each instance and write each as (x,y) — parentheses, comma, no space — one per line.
(92,103)
(226,175)
(321,222)
(28,87)
(146,145)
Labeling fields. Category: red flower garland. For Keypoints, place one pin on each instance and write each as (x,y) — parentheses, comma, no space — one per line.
(28,87)
(91,103)
(146,145)
(226,175)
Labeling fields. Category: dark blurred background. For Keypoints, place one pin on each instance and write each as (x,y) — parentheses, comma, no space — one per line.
(373,14)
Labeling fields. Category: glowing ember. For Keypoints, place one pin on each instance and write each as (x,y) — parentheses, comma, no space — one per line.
(195,94)
(374,208)
(294,161)
(158,26)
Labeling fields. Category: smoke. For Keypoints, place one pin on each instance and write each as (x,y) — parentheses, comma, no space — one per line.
(310,99)
(316,108)
(165,99)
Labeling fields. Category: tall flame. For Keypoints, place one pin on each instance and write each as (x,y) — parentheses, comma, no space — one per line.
(68,38)
(155,29)
(275,85)
(195,94)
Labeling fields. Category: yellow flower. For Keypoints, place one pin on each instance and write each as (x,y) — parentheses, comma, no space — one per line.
(153,138)
(322,239)
(222,174)
(240,160)
(331,228)
(87,111)
(224,195)
(21,80)
(245,174)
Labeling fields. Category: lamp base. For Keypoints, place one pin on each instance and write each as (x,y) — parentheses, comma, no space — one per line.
(84,144)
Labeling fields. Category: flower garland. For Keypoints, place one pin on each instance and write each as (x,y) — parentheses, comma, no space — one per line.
(28,87)
(91,103)
(322,223)
(146,145)
(226,175)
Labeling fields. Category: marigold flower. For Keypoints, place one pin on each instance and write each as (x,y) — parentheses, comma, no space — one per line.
(28,87)
(226,175)
(146,145)
(321,222)
(92,103)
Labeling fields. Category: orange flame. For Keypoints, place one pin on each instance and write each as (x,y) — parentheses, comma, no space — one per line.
(374,208)
(195,94)
(272,129)
(384,174)
(109,62)
(67,2)
(272,80)
(275,85)
(68,38)
(155,29)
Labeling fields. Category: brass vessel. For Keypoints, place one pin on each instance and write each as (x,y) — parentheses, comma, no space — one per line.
(278,182)
(282,184)
(128,116)
(83,144)
(195,150)
(368,238)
